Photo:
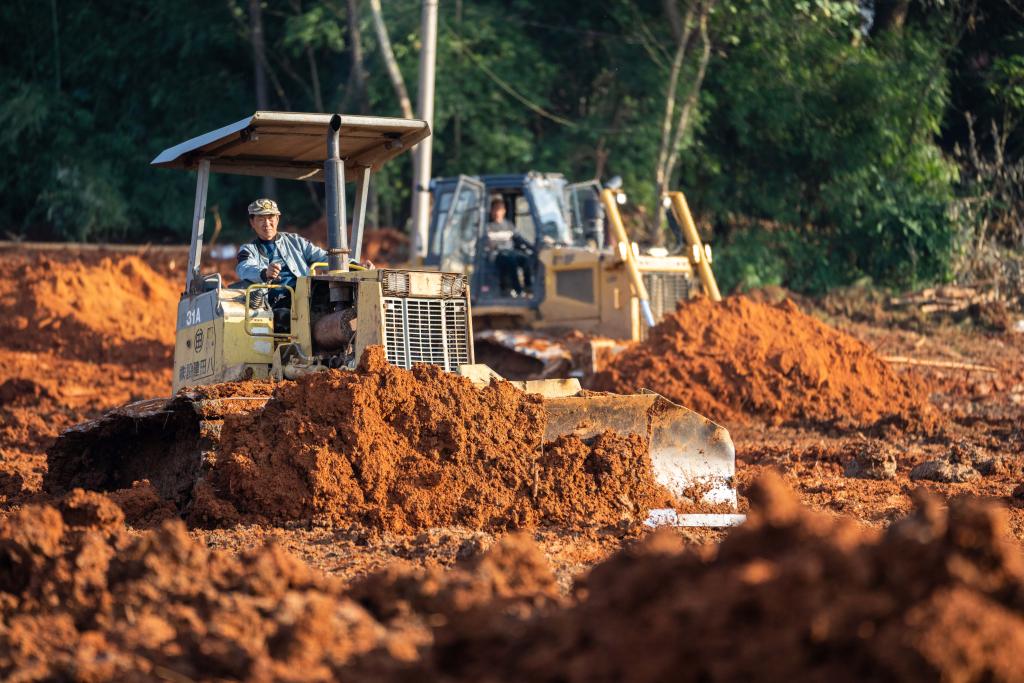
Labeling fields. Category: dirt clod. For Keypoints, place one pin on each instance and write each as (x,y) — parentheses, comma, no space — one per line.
(873,461)
(791,595)
(142,505)
(956,467)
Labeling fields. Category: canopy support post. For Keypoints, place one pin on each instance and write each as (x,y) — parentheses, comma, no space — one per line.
(195,252)
(359,211)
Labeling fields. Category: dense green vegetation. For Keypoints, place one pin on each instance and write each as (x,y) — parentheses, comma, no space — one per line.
(821,141)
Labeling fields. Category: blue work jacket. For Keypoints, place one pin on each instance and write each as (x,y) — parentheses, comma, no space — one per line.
(296,251)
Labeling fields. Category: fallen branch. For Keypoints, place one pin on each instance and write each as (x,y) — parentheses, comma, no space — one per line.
(953,365)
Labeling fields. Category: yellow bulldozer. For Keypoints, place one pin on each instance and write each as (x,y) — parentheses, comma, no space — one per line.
(570,245)
(225,334)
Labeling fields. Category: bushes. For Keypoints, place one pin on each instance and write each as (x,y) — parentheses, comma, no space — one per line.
(819,129)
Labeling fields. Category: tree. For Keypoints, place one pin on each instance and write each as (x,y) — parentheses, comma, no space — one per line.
(388,55)
(674,129)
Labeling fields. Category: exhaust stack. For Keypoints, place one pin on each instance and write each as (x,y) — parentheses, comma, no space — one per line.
(334,184)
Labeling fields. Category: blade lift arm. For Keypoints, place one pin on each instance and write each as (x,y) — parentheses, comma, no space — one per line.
(611,208)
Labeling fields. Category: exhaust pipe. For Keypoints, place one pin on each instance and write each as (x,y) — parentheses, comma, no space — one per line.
(334,190)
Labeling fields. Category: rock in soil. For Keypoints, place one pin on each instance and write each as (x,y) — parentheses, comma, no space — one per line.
(873,461)
(957,467)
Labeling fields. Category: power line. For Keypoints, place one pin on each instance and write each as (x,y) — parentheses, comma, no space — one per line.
(526,101)
(504,85)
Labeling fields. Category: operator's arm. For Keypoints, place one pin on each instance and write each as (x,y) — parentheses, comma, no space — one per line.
(249,266)
(312,253)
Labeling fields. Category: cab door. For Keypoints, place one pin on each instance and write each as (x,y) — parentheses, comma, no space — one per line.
(456,225)
(584,212)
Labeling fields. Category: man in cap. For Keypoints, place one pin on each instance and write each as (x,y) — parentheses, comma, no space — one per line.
(275,257)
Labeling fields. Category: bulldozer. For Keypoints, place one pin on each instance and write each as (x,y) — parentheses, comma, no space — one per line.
(224,333)
(584,277)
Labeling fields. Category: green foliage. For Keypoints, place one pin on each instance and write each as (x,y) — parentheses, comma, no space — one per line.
(820,151)
(832,137)
(1007,82)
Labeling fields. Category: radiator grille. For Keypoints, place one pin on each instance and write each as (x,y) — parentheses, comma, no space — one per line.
(665,289)
(433,331)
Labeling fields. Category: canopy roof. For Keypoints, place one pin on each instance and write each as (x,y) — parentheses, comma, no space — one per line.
(293,145)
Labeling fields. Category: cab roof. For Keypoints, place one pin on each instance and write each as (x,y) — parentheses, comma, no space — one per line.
(293,145)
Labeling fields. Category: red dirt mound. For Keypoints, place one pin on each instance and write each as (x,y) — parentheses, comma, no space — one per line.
(399,450)
(742,358)
(117,307)
(792,595)
(80,599)
(382,246)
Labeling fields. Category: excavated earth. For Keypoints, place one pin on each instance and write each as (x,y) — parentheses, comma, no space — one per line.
(371,536)
(743,359)
(402,451)
(793,594)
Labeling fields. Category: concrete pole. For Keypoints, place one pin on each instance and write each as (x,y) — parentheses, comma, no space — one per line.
(423,152)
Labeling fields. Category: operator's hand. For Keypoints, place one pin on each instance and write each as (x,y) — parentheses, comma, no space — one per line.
(273,270)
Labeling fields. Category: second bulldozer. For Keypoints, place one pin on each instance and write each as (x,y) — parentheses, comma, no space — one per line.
(585,275)
(225,334)
(571,245)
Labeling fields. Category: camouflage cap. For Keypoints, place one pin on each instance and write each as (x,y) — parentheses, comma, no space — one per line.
(264,207)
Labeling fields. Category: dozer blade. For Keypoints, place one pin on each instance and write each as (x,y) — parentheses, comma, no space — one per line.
(522,355)
(166,441)
(691,455)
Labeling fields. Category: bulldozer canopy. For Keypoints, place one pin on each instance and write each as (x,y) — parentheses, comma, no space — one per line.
(293,145)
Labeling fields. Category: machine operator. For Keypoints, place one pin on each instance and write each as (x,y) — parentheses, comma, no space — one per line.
(515,271)
(275,257)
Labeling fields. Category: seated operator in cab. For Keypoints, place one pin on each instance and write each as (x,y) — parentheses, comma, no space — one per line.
(275,257)
(515,274)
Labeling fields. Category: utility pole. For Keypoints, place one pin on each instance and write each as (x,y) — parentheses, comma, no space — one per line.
(423,152)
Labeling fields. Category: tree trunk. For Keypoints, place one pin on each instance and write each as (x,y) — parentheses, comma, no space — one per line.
(685,30)
(56,44)
(691,101)
(259,57)
(394,73)
(314,77)
(890,15)
(358,68)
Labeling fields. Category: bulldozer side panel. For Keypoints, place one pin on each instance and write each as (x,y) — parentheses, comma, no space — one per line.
(211,344)
(620,310)
(571,286)
(244,351)
(370,311)
(198,344)
(302,326)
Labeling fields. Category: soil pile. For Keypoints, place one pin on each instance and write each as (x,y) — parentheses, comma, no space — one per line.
(381,246)
(398,450)
(82,599)
(792,595)
(742,358)
(114,308)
